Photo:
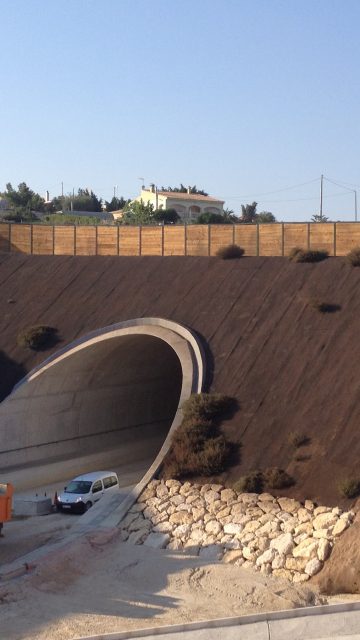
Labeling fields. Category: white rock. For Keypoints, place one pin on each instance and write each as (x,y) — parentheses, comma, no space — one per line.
(177,499)
(137,537)
(232,544)
(173,483)
(157,540)
(248,554)
(197,535)
(283,544)
(211,496)
(340,526)
(289,505)
(303,515)
(300,577)
(213,526)
(324,521)
(175,545)
(309,505)
(227,494)
(233,529)
(323,533)
(278,562)
(313,567)
(181,531)
(163,527)
(140,523)
(320,510)
(230,557)
(323,550)
(180,517)
(266,557)
(306,549)
(266,497)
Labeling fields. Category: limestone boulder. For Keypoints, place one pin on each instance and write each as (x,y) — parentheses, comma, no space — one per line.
(180,517)
(283,544)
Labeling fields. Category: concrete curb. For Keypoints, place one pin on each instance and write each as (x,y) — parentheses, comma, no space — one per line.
(241,621)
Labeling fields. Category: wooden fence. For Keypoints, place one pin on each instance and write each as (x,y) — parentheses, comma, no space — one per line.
(193,240)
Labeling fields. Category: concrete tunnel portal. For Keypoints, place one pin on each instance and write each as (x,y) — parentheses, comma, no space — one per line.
(117,391)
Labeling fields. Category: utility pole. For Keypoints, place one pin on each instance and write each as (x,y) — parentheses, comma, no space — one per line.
(321,196)
(355,194)
(62,189)
(115,191)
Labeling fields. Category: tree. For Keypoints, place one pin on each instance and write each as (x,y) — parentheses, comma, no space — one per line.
(265,217)
(183,189)
(116,204)
(166,216)
(248,213)
(213,218)
(318,217)
(85,200)
(23,201)
(137,212)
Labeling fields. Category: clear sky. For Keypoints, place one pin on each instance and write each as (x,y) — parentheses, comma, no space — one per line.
(240,97)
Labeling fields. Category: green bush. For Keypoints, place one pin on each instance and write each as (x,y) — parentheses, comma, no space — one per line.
(306,255)
(353,257)
(207,406)
(251,483)
(298,439)
(37,337)
(276,478)
(230,252)
(349,487)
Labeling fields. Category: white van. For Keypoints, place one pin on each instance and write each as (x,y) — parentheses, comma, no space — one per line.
(81,493)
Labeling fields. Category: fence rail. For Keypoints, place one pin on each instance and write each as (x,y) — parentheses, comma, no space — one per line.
(276,239)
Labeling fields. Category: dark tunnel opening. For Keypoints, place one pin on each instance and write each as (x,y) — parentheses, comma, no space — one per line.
(119,394)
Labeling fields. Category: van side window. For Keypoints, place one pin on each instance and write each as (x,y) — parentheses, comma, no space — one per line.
(110,481)
(97,486)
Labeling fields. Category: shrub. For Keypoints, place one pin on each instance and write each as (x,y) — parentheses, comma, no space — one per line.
(306,255)
(37,337)
(230,252)
(349,487)
(353,257)
(207,406)
(323,307)
(251,483)
(276,478)
(298,439)
(197,447)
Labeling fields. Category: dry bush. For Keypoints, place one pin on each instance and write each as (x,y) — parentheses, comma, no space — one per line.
(276,478)
(251,483)
(37,337)
(349,487)
(298,439)
(197,447)
(230,252)
(307,255)
(323,307)
(353,257)
(207,406)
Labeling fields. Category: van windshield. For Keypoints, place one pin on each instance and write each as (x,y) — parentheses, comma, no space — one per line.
(78,486)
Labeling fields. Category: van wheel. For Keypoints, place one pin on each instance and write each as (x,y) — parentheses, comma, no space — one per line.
(88,505)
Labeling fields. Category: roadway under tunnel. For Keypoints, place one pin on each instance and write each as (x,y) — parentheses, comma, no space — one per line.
(117,390)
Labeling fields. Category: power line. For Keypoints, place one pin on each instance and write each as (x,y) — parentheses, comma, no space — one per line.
(266,193)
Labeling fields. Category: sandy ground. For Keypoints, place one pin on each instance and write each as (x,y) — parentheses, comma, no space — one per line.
(101,584)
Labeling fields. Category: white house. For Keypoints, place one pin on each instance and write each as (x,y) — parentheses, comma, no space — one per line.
(187,205)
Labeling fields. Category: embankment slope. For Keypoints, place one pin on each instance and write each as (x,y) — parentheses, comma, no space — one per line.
(291,367)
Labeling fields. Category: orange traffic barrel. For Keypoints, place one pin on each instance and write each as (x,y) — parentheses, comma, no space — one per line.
(6,494)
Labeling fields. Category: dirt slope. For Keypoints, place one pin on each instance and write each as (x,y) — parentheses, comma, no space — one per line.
(291,368)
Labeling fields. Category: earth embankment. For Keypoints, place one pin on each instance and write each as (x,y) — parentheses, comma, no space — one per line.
(292,368)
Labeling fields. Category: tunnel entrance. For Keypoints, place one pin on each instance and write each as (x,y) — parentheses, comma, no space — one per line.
(118,392)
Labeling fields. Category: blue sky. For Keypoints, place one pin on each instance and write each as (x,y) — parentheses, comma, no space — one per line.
(240,97)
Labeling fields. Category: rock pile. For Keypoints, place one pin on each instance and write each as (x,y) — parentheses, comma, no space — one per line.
(277,536)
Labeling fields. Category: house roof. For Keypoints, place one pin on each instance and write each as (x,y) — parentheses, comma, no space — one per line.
(188,196)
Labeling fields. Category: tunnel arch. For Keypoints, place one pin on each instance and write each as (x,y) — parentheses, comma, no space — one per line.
(121,381)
